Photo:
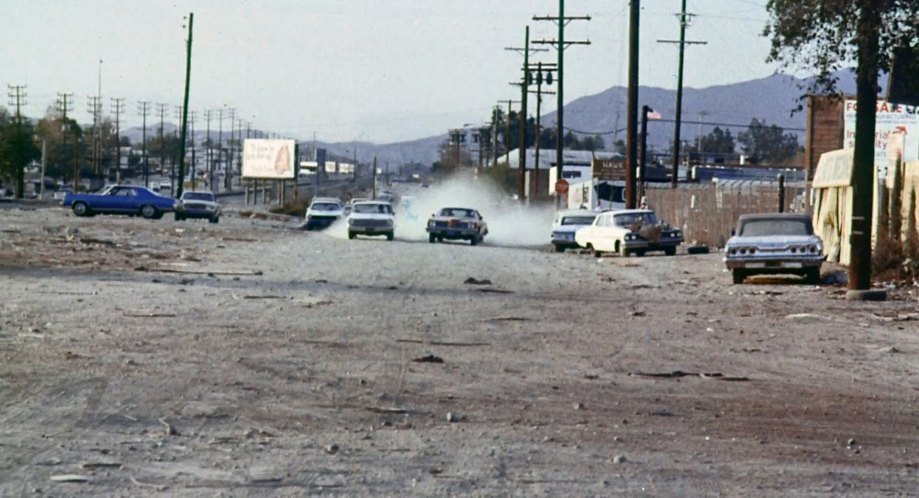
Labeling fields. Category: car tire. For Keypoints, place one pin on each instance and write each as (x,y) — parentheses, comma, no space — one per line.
(593,251)
(738,276)
(148,211)
(215,219)
(640,253)
(670,251)
(351,235)
(179,217)
(812,276)
(559,248)
(80,209)
(440,239)
(390,236)
(474,240)
(431,238)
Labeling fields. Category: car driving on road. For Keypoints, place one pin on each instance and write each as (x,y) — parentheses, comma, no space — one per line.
(774,243)
(457,223)
(371,218)
(566,223)
(629,231)
(198,204)
(121,199)
(322,212)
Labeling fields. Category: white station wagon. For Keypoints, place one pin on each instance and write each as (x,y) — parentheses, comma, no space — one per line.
(629,231)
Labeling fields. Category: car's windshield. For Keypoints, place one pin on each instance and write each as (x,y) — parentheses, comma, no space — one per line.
(457,212)
(325,206)
(628,219)
(759,228)
(198,196)
(578,220)
(372,208)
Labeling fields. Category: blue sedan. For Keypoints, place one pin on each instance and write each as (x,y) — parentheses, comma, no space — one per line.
(121,199)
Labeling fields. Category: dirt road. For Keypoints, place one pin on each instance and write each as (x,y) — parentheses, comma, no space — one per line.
(247,358)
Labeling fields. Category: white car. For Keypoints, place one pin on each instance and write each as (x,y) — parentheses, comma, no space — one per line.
(773,243)
(629,231)
(566,223)
(322,212)
(371,218)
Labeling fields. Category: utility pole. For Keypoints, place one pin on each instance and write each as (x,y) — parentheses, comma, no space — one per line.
(17,95)
(231,151)
(118,110)
(507,128)
(94,106)
(863,170)
(702,115)
(208,114)
(547,69)
(144,109)
(193,168)
(220,142)
(161,110)
(64,107)
(684,21)
(632,106)
(522,132)
(191,20)
(561,44)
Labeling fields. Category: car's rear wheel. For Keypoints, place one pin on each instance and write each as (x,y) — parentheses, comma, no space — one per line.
(80,209)
(390,236)
(670,251)
(738,276)
(351,235)
(148,211)
(432,238)
(559,248)
(214,219)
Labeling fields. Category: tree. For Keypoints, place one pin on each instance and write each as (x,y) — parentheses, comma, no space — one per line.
(827,35)
(718,141)
(17,149)
(767,143)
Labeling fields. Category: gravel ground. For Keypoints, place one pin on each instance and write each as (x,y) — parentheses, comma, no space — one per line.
(159,358)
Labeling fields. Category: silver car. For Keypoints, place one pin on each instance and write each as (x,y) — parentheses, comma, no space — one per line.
(774,243)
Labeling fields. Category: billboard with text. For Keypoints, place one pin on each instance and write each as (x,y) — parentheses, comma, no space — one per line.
(268,159)
(891,119)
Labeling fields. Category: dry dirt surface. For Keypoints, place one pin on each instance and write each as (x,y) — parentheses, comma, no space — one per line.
(164,358)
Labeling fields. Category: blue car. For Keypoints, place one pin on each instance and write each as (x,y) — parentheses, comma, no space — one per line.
(121,199)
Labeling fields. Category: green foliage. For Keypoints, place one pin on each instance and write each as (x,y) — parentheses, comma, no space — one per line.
(765,143)
(823,35)
(717,141)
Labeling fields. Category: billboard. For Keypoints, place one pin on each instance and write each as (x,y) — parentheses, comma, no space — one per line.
(271,159)
(891,119)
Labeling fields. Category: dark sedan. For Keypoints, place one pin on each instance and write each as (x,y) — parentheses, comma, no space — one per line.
(121,199)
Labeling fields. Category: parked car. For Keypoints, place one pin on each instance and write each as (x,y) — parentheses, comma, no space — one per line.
(198,204)
(371,218)
(774,243)
(121,199)
(566,223)
(629,231)
(457,223)
(322,212)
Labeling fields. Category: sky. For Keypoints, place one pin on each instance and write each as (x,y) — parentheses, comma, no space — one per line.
(378,71)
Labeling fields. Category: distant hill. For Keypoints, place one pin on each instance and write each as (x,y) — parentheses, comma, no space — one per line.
(773,100)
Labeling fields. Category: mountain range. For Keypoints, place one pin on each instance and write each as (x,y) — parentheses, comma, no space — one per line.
(775,100)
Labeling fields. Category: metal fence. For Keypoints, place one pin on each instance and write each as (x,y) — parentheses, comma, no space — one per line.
(707,212)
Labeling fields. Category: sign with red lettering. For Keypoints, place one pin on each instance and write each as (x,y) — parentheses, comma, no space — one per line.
(891,119)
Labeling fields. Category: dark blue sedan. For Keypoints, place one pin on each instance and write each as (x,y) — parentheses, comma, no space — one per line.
(121,199)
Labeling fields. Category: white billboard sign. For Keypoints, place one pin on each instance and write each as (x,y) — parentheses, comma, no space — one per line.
(273,159)
(891,119)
